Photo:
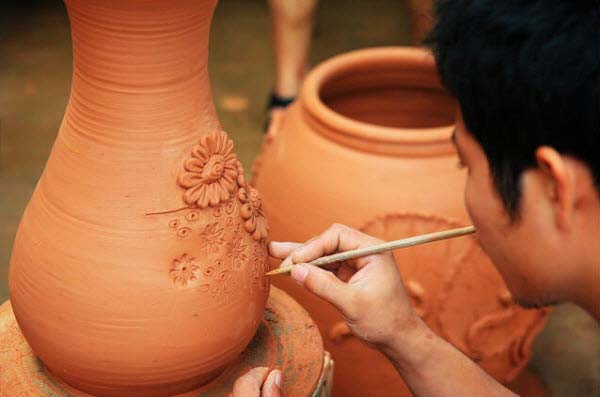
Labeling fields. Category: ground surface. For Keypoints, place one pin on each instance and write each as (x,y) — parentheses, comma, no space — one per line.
(35,71)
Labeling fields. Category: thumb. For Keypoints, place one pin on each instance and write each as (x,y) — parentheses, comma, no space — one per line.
(272,385)
(323,284)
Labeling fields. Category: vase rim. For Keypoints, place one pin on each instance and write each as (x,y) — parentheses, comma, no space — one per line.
(419,141)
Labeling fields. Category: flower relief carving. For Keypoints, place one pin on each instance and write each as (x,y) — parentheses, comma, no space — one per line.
(252,213)
(184,270)
(237,251)
(212,238)
(211,172)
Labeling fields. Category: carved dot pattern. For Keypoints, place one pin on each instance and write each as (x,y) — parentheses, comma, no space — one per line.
(184,232)
(174,224)
(192,216)
(209,271)
(230,207)
(217,212)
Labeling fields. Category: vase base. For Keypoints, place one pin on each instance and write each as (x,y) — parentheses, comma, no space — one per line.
(287,339)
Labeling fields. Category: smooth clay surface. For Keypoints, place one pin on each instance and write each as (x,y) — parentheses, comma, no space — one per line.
(138,265)
(287,339)
(367,143)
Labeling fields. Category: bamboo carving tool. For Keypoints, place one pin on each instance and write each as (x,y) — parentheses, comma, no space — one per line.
(376,249)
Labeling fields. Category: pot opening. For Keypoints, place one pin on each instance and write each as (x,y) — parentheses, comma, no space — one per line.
(390,97)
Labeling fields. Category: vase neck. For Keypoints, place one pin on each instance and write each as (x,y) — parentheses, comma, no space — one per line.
(140,69)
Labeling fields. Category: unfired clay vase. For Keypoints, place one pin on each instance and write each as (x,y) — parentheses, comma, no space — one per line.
(367,143)
(138,266)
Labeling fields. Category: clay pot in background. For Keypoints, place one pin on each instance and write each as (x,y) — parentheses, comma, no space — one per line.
(367,143)
(138,265)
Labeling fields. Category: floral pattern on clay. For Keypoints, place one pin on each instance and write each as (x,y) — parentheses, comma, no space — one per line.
(241,179)
(220,281)
(237,252)
(184,270)
(252,213)
(212,238)
(211,172)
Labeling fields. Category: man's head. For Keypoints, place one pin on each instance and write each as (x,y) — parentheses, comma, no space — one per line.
(527,78)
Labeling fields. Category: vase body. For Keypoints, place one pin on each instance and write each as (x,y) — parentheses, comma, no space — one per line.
(137,267)
(367,143)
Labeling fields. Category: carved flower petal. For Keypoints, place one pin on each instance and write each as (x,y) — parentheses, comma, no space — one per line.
(223,191)
(204,197)
(228,146)
(194,165)
(230,171)
(250,225)
(213,194)
(219,139)
(241,180)
(192,195)
(190,179)
(257,235)
(200,152)
(242,196)
(229,185)
(262,228)
(206,143)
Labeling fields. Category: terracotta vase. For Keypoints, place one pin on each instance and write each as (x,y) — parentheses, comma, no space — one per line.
(367,143)
(138,265)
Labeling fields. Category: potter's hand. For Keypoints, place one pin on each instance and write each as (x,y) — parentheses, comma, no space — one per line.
(370,295)
(368,291)
(258,382)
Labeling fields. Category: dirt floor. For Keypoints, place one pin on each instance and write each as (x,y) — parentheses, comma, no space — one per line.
(35,72)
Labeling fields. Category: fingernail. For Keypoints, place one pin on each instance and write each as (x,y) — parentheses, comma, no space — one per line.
(299,273)
(286,262)
(278,378)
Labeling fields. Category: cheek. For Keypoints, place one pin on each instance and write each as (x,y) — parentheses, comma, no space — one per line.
(489,218)
(479,202)
(471,203)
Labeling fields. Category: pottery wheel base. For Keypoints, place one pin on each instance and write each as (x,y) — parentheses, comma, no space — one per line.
(287,339)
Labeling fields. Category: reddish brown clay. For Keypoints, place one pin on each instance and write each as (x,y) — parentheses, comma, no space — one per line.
(367,143)
(286,339)
(138,265)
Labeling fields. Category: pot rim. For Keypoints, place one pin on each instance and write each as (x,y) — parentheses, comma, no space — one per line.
(371,137)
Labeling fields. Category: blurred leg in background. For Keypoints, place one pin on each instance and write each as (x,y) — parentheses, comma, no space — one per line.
(421,18)
(292,24)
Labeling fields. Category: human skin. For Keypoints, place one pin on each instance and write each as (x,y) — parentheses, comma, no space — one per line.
(259,382)
(546,254)
(291,28)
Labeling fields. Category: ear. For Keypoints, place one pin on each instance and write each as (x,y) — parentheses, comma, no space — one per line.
(561,189)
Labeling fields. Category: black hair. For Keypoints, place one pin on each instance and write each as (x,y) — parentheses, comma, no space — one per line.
(526,73)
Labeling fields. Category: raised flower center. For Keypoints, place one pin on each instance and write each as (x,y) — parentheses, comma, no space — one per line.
(213,169)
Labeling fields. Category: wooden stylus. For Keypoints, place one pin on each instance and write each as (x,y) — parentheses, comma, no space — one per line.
(376,249)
